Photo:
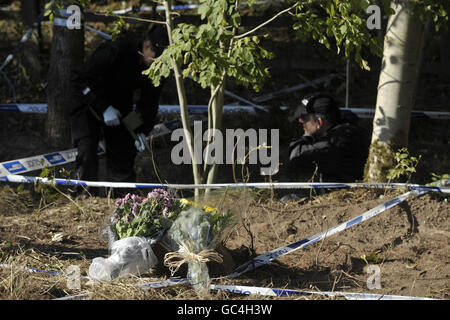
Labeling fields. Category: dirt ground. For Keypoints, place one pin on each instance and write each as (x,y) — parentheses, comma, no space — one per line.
(409,243)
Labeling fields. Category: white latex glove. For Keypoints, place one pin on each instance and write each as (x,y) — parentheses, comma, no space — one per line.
(111,116)
(141,143)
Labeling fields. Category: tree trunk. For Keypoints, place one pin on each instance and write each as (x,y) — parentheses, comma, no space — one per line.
(67,53)
(196,167)
(30,11)
(216,117)
(396,89)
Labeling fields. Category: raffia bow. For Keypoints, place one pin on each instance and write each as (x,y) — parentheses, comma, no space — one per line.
(174,260)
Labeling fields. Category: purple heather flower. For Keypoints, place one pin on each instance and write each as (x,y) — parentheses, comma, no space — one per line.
(127,197)
(165,212)
(118,203)
(167,203)
(158,193)
(128,218)
(136,198)
(135,208)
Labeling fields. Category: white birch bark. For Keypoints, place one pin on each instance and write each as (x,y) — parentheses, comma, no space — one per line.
(396,88)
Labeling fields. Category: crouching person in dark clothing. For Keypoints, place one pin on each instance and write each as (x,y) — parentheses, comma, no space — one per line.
(103,91)
(339,149)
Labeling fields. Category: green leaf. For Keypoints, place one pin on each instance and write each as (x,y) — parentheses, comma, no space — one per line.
(403,156)
(203,10)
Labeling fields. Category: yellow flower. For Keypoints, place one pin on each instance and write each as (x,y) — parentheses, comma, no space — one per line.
(209,209)
(185,202)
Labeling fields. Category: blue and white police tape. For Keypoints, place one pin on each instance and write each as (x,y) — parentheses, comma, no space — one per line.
(281,251)
(369,113)
(228,109)
(25,107)
(174,7)
(261,291)
(36,270)
(101,33)
(63,157)
(41,161)
(163,109)
(158,8)
(202,109)
(42,108)
(26,36)
(256,185)
(28,269)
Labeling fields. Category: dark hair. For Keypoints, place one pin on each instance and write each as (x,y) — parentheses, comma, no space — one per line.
(158,38)
(330,118)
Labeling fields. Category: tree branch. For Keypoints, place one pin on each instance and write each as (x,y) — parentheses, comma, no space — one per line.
(129,18)
(267,22)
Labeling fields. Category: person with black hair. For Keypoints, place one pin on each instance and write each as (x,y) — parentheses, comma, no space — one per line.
(338,148)
(103,91)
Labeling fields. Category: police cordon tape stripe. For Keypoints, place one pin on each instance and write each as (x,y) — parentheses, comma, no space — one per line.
(63,22)
(102,34)
(63,157)
(261,291)
(202,109)
(158,8)
(237,289)
(174,7)
(163,109)
(256,185)
(42,161)
(28,269)
(36,270)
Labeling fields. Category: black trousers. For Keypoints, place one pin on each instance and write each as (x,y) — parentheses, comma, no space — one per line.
(120,152)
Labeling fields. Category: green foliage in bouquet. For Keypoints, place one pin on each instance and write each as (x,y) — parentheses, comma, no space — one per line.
(197,231)
(139,217)
(216,219)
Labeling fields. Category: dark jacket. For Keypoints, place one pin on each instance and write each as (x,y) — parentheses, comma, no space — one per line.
(340,155)
(113,73)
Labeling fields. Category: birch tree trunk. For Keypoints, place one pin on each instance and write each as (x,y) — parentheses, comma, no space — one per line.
(396,89)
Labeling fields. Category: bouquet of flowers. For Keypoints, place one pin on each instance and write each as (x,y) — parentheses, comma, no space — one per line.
(137,223)
(145,217)
(197,231)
